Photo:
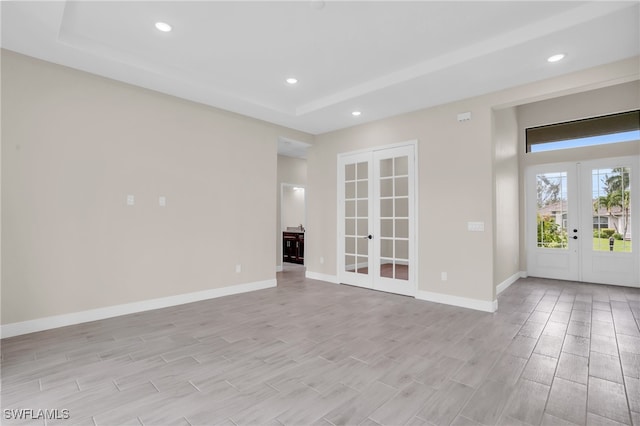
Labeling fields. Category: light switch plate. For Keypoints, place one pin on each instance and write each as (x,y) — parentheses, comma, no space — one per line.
(464,116)
(475,226)
(162,201)
(131,200)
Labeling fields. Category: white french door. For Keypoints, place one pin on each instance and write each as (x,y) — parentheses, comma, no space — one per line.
(376,220)
(580,221)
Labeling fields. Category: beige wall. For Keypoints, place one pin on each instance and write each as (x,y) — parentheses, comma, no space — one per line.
(74,145)
(293,211)
(457,181)
(592,103)
(292,171)
(450,194)
(506,258)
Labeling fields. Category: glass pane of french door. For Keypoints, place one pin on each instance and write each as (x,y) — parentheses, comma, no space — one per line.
(552,210)
(611,197)
(356,217)
(394,217)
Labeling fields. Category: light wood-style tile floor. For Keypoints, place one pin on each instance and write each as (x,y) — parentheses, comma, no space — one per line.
(312,353)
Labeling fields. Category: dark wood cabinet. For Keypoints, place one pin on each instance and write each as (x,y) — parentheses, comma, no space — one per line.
(293,247)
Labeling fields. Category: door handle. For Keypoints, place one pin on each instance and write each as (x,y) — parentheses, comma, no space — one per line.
(575,237)
(368,237)
(575,230)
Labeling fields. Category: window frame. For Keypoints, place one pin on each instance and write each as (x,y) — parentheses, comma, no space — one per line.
(587,127)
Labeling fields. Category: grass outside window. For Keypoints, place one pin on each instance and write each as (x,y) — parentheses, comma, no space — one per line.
(602,244)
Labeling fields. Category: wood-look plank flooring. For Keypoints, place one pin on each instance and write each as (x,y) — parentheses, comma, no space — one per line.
(312,353)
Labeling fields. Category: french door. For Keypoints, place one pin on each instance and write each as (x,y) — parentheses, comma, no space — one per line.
(376,202)
(580,221)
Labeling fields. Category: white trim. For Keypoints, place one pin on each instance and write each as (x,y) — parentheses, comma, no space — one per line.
(506,283)
(333,279)
(410,142)
(278,268)
(47,323)
(416,214)
(463,302)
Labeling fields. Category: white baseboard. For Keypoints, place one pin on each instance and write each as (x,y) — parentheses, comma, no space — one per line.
(463,302)
(512,279)
(40,324)
(278,268)
(322,277)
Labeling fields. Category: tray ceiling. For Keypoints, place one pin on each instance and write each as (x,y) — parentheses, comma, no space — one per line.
(380,58)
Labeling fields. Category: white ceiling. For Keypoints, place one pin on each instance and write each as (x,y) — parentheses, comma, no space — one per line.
(382,58)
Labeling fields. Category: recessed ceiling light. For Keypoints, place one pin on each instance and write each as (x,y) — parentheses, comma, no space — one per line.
(356,113)
(163,26)
(556,58)
(292,80)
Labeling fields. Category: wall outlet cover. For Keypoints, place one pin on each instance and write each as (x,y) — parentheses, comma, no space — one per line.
(475,226)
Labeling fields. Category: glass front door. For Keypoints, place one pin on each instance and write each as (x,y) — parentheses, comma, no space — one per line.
(610,202)
(580,221)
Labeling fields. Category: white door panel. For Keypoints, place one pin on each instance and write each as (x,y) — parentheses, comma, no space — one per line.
(609,196)
(552,251)
(355,194)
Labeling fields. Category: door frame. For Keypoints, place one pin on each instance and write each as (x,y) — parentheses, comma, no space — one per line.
(413,237)
(580,216)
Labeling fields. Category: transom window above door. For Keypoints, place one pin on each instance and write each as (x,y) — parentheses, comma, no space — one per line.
(603,130)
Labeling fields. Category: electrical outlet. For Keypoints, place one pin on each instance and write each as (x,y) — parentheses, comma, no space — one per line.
(162,201)
(238,268)
(443,276)
(321,260)
(131,200)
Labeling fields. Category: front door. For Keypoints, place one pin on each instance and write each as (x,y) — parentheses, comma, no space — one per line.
(377,220)
(579,221)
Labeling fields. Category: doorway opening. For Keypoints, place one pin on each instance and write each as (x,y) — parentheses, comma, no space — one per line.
(580,221)
(293,214)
